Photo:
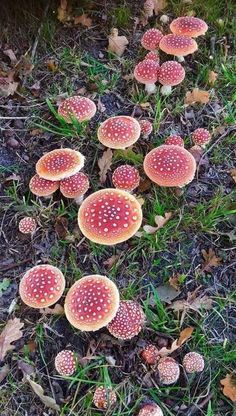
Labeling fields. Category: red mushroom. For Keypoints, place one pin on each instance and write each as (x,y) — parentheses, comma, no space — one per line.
(42,187)
(146,128)
(153,56)
(193,362)
(169,165)
(150,354)
(147,72)
(171,73)
(104,398)
(126,177)
(168,370)
(188,26)
(42,286)
(77,107)
(151,39)
(128,321)
(150,410)
(75,186)
(27,225)
(119,132)
(65,363)
(178,45)
(59,164)
(148,8)
(92,302)
(175,140)
(109,216)
(201,137)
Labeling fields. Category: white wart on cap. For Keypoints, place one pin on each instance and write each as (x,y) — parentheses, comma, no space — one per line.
(128,321)
(77,107)
(119,132)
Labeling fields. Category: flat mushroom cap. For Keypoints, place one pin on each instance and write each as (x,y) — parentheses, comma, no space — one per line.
(146,127)
(42,187)
(128,321)
(178,45)
(171,73)
(126,177)
(153,56)
(65,362)
(92,302)
(42,286)
(78,107)
(119,132)
(147,71)
(59,164)
(150,354)
(74,186)
(193,362)
(169,165)
(27,225)
(168,370)
(104,397)
(150,410)
(175,140)
(151,39)
(109,216)
(201,137)
(188,26)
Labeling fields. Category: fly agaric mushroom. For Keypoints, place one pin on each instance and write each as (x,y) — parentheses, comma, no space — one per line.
(168,370)
(150,354)
(126,177)
(92,302)
(175,140)
(150,410)
(65,363)
(109,216)
(59,164)
(119,132)
(146,128)
(153,56)
(42,286)
(169,165)
(171,73)
(146,72)
(42,187)
(128,321)
(188,26)
(201,137)
(77,107)
(104,397)
(27,225)
(75,186)
(151,39)
(148,8)
(178,45)
(193,362)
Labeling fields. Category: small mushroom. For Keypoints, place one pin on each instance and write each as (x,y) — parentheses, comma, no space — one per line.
(168,370)
(201,137)
(171,73)
(193,362)
(151,39)
(146,128)
(175,140)
(188,26)
(77,107)
(150,410)
(119,132)
(146,72)
(128,321)
(126,177)
(104,398)
(75,186)
(42,187)
(65,362)
(27,225)
(178,45)
(150,354)
(153,56)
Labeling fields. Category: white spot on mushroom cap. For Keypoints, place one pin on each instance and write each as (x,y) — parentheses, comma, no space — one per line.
(193,362)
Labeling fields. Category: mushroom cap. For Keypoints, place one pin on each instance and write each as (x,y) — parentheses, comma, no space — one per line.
(175,140)
(150,354)
(78,107)
(178,45)
(171,73)
(92,302)
(150,410)
(153,56)
(201,137)
(169,165)
(104,397)
(168,370)
(65,362)
(146,127)
(27,225)
(42,286)
(42,187)
(188,26)
(126,177)
(119,132)
(193,362)
(147,71)
(74,186)
(109,216)
(128,321)
(151,39)
(59,164)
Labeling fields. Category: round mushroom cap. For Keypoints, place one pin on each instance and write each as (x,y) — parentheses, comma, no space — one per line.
(147,71)
(146,127)
(27,225)
(78,107)
(42,187)
(178,45)
(109,216)
(92,302)
(175,140)
(74,186)
(150,410)
(128,321)
(42,286)
(150,354)
(104,397)
(65,362)
(188,26)
(119,132)
(153,56)
(193,362)
(169,165)
(201,137)
(151,39)
(126,177)
(59,164)
(168,370)
(171,73)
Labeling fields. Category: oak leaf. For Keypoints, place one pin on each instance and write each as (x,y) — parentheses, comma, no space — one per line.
(117,44)
(104,164)
(211,260)
(11,333)
(229,386)
(7,87)
(83,20)
(38,390)
(197,96)
(192,303)
(160,222)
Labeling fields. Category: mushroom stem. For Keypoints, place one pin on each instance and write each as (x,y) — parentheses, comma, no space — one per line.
(180,59)
(150,88)
(79,199)
(166,90)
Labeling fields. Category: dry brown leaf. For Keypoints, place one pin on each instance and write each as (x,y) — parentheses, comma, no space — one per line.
(233,174)
(211,260)
(145,106)
(83,20)
(11,56)
(4,371)
(11,333)
(61,227)
(196,152)
(104,164)
(174,281)
(159,5)
(176,344)
(111,261)
(144,185)
(117,44)
(192,303)
(24,66)
(38,390)
(51,65)
(185,334)
(7,87)
(229,386)
(212,77)
(36,132)
(56,310)
(160,221)
(197,96)
(64,12)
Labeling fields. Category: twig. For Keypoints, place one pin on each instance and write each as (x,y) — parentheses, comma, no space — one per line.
(14,118)
(196,407)
(15,265)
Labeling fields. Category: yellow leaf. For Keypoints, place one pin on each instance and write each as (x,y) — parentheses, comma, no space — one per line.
(64,12)
(212,76)
(11,333)
(185,335)
(83,20)
(117,44)
(229,389)
(177,343)
(104,164)
(160,222)
(197,96)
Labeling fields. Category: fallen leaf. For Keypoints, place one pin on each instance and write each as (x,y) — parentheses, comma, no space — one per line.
(51,65)
(111,261)
(144,185)
(4,371)
(83,20)
(196,152)
(11,333)
(61,227)
(195,304)
(167,293)
(176,344)
(174,281)
(160,222)
(211,260)
(104,164)
(13,177)
(128,77)
(38,390)
(197,96)
(185,334)
(7,87)
(117,44)
(145,106)
(4,285)
(24,66)
(229,386)
(31,346)
(141,201)
(26,368)
(212,77)
(36,132)
(100,106)
(233,174)
(159,5)
(11,56)
(56,310)
(64,12)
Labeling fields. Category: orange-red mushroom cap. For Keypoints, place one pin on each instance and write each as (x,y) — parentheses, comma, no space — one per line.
(150,410)
(74,186)
(175,140)
(169,165)
(188,26)
(104,397)
(42,286)
(153,56)
(128,321)
(65,362)
(147,71)
(42,187)
(178,45)
(126,177)
(78,107)
(168,370)
(27,225)
(119,132)
(92,302)
(150,354)
(171,73)
(146,127)
(201,137)
(109,216)
(151,39)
